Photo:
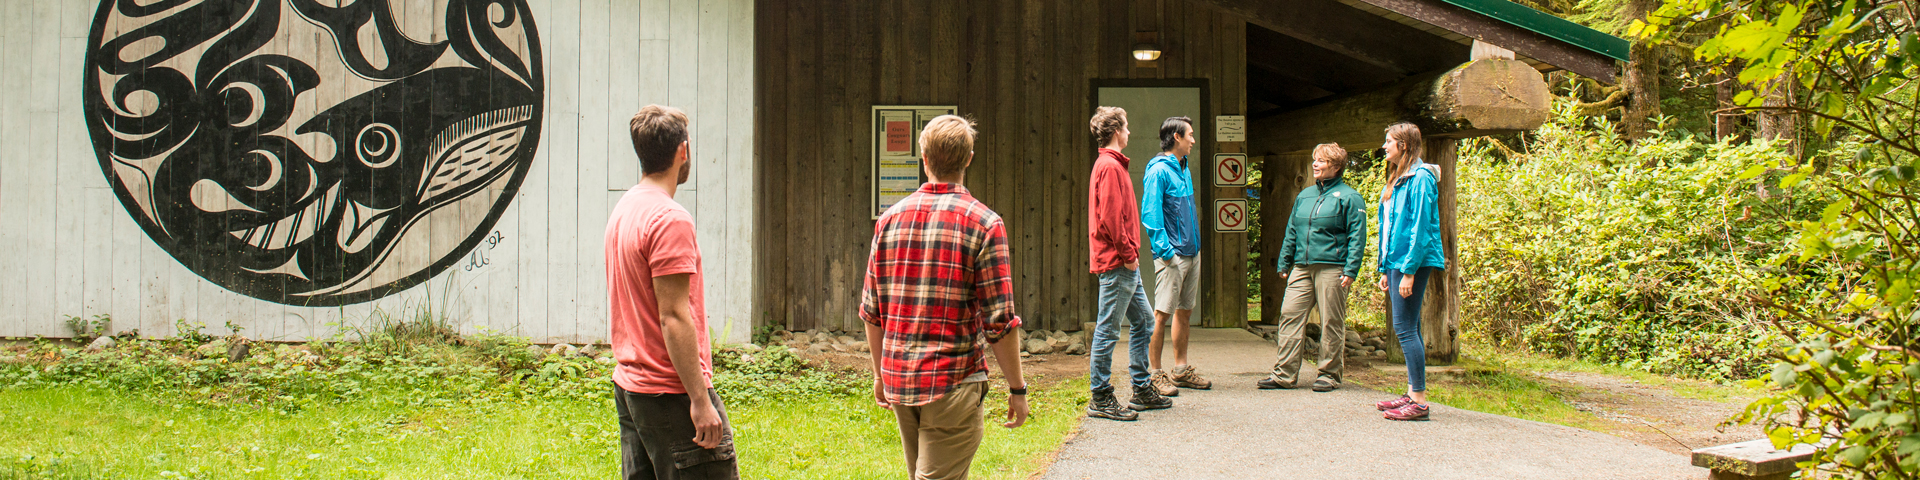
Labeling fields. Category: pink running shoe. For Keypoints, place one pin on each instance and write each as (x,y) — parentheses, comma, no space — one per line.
(1408,412)
(1394,403)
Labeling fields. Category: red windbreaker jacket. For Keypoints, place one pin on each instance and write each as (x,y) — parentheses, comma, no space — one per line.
(1113,214)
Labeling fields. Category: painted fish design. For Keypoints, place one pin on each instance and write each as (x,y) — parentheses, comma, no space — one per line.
(312,154)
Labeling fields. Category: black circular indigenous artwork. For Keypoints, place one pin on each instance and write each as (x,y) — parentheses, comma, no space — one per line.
(314,152)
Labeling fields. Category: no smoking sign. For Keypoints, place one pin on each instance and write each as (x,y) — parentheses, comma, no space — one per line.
(1230,215)
(1229,170)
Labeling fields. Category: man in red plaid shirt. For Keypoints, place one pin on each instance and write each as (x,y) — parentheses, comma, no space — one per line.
(938,291)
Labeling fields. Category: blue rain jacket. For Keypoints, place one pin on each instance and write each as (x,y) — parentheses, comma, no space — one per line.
(1410,222)
(1166,209)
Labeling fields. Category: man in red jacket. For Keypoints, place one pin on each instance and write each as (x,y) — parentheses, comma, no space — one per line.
(1113,231)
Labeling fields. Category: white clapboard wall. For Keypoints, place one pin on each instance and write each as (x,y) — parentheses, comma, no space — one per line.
(69,249)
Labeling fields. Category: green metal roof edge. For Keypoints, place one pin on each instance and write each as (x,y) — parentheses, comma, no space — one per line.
(1554,27)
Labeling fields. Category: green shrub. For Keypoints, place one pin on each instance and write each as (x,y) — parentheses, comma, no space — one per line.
(420,371)
(743,376)
(1647,255)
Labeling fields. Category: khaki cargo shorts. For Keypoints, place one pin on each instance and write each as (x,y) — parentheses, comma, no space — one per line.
(1176,283)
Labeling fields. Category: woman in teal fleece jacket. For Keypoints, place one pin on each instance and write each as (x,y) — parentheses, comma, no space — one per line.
(1410,253)
(1325,244)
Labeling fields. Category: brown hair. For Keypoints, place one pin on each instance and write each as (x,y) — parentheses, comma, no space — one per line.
(1107,122)
(657,134)
(946,143)
(1411,147)
(1332,153)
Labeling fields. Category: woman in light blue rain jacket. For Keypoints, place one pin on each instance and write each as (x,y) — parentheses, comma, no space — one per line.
(1410,253)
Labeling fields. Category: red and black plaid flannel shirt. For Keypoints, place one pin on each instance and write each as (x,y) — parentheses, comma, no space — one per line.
(939,283)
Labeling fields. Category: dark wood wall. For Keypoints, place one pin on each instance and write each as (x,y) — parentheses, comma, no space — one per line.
(1022,70)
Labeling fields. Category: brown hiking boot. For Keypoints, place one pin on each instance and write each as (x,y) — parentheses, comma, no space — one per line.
(1186,376)
(1163,384)
(1103,405)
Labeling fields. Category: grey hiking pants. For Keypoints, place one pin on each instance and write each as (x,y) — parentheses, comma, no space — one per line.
(1309,286)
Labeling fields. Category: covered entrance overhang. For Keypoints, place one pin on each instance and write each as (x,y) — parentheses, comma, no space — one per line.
(1301,72)
(1322,71)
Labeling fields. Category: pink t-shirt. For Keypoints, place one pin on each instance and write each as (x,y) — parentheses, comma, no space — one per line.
(650,235)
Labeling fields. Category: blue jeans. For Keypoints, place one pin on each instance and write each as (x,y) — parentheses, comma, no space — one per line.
(1406,324)
(1121,296)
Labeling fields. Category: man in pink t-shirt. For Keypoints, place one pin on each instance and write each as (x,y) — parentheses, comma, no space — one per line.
(672,425)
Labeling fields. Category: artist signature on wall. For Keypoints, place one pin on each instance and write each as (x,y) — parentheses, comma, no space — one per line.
(478,259)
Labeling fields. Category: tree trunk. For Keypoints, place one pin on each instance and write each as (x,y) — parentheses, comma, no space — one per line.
(1724,124)
(1780,125)
(1482,97)
(1642,79)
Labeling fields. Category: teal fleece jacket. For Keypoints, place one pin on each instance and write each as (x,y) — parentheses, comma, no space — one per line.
(1410,222)
(1328,226)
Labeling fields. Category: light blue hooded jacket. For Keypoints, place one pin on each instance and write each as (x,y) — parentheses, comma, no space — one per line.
(1167,210)
(1410,222)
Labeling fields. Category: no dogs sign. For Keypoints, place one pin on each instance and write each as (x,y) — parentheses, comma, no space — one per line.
(1230,215)
(1229,170)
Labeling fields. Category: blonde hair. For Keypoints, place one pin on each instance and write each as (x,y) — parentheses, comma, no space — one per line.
(946,143)
(1332,153)
(1411,146)
(1107,121)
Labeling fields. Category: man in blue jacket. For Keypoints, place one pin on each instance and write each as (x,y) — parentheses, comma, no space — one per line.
(1326,239)
(1173,230)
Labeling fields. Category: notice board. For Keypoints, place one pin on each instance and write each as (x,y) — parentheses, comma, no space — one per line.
(896,151)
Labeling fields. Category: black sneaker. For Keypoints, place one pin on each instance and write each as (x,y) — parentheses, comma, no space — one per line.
(1103,405)
(1144,398)
(1269,384)
(1322,384)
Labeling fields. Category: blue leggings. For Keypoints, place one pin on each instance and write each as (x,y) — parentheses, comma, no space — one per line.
(1406,324)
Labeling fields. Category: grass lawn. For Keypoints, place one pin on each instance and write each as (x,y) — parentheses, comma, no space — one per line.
(1685,388)
(1491,388)
(155,410)
(79,432)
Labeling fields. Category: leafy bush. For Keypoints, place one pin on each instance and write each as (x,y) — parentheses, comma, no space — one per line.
(1646,255)
(421,371)
(776,374)
(1849,320)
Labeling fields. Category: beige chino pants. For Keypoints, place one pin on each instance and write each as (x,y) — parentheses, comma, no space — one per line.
(941,437)
(1309,286)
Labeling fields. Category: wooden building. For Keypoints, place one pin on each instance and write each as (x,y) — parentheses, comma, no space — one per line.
(102,219)
(1302,72)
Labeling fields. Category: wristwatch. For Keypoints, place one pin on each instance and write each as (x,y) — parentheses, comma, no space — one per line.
(1017,391)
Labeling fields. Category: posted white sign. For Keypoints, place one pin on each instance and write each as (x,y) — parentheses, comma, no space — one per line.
(1230,215)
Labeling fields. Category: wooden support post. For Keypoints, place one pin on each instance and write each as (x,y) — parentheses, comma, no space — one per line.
(1225,305)
(1281,178)
(1482,97)
(1440,310)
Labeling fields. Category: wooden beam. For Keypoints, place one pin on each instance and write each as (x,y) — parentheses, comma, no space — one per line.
(1280,89)
(1311,64)
(1478,98)
(1350,32)
(1505,35)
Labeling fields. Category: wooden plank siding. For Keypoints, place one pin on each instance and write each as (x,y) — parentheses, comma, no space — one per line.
(1023,71)
(71,247)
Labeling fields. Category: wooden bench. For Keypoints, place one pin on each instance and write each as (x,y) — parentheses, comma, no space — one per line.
(1755,460)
